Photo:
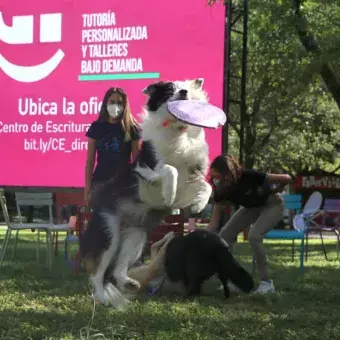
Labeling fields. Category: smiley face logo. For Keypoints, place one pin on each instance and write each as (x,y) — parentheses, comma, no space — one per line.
(20,33)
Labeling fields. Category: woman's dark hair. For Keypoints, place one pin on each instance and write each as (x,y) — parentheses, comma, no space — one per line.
(128,122)
(228,167)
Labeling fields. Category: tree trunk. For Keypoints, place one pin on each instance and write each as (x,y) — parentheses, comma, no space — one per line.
(311,45)
(249,159)
(249,141)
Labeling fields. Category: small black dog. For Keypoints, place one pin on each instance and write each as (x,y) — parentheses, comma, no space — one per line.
(194,258)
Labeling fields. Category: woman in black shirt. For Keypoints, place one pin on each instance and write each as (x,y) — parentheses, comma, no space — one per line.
(112,140)
(261,206)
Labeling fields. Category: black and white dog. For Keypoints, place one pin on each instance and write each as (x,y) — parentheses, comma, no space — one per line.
(178,179)
(196,257)
(169,173)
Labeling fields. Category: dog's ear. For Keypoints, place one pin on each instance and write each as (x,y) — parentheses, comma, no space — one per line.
(149,90)
(198,83)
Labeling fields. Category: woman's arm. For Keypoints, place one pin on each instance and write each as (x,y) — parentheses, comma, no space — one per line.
(135,146)
(281,179)
(143,274)
(215,217)
(90,159)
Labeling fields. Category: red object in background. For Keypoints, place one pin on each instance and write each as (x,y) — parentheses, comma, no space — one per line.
(317,182)
(84,215)
(68,198)
(228,210)
(163,229)
(173,223)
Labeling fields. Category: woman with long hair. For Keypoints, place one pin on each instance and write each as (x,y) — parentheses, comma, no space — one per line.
(113,138)
(261,207)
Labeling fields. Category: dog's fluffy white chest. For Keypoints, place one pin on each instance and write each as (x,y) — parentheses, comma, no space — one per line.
(178,179)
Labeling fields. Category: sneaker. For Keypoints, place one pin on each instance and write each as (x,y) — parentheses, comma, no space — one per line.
(265,287)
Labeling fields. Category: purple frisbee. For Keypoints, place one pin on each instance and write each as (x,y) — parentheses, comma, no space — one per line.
(198,113)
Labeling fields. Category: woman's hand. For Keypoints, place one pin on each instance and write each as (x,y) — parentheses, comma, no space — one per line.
(281,180)
(287,178)
(278,189)
(159,249)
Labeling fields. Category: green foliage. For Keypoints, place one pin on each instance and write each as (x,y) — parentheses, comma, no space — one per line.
(292,120)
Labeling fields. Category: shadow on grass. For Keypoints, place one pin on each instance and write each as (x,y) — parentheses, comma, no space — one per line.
(137,323)
(237,318)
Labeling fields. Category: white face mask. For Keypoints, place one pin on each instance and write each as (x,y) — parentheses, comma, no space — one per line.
(115,110)
(216,182)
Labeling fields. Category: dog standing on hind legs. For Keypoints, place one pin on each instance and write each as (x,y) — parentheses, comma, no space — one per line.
(171,175)
(117,248)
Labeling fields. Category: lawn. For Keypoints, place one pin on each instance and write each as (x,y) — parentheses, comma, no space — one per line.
(36,304)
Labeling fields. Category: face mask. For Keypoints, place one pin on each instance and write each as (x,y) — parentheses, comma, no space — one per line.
(115,110)
(216,182)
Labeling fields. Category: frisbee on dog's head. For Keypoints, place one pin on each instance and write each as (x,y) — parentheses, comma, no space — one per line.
(198,113)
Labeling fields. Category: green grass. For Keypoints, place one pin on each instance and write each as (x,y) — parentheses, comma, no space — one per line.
(37,304)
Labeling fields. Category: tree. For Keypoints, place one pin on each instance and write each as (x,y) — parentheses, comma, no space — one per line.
(286,98)
(310,43)
(307,139)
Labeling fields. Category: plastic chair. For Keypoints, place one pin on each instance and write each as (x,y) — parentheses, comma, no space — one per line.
(293,203)
(301,223)
(313,203)
(31,199)
(330,222)
(28,199)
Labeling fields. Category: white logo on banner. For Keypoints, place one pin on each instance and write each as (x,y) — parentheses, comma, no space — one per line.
(20,33)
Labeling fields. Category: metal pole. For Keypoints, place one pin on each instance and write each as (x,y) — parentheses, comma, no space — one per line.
(226,74)
(243,109)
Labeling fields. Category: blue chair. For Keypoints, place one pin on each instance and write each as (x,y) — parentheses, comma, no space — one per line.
(301,222)
(292,203)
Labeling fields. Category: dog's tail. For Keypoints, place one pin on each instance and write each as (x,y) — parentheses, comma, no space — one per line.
(238,275)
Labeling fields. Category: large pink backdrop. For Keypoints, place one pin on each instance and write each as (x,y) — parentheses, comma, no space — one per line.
(57,60)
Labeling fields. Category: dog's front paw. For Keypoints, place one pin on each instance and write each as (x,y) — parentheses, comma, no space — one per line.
(169,194)
(169,189)
(169,200)
(101,298)
(99,294)
(197,208)
(203,199)
(128,284)
(111,296)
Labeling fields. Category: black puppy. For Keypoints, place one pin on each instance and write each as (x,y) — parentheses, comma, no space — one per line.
(194,258)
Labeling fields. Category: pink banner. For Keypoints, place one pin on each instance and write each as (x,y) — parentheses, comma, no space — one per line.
(57,59)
